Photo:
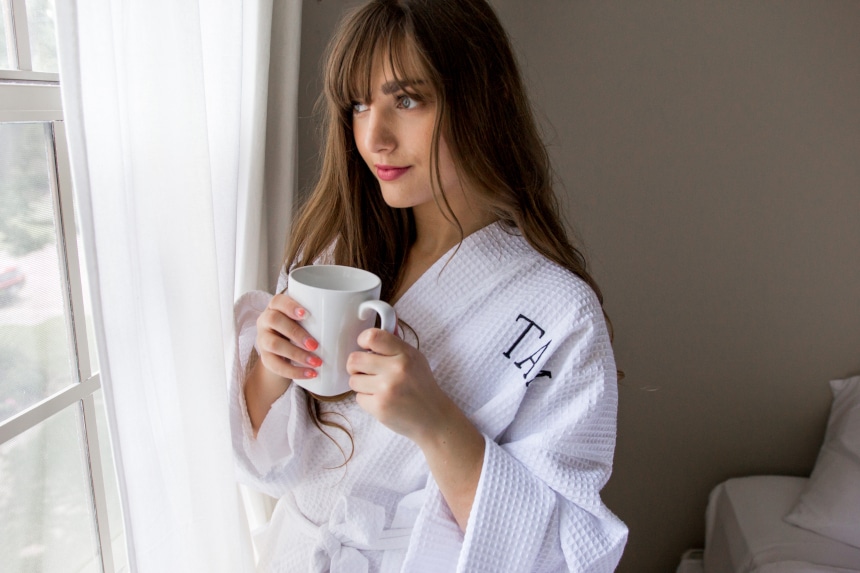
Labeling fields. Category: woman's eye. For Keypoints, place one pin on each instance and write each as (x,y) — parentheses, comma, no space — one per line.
(407,102)
(359,107)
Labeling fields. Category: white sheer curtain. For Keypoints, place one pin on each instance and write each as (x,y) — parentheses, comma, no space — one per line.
(165,104)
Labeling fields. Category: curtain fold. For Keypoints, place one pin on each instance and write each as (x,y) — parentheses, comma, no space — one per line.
(281,171)
(165,109)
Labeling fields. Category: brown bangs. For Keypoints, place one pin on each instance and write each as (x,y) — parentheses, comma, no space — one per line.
(370,34)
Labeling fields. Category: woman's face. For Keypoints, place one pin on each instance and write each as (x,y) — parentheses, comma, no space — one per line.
(394,135)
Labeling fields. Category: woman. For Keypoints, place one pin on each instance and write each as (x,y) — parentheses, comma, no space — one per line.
(480,437)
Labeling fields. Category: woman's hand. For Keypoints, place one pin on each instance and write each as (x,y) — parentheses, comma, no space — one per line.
(285,348)
(393,382)
(395,385)
(285,352)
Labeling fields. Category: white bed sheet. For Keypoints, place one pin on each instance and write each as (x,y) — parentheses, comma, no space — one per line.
(800,567)
(745,532)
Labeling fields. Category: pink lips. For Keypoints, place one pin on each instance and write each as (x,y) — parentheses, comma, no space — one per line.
(389,173)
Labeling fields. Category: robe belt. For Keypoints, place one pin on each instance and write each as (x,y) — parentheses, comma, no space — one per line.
(357,525)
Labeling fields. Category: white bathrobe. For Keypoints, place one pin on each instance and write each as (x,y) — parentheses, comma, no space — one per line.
(520,344)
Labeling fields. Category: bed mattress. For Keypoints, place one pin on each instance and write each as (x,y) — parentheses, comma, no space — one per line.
(745,532)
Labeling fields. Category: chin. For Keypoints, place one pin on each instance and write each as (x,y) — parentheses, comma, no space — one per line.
(398,204)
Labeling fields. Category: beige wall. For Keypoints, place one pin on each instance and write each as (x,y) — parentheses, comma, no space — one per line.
(709,155)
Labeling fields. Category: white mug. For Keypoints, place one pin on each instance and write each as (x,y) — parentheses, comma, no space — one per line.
(341,302)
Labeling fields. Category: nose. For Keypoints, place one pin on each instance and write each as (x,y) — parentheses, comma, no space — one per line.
(379,133)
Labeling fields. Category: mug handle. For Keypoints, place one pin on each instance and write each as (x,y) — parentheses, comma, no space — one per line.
(383,309)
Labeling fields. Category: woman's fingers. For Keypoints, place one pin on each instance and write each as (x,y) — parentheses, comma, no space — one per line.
(385,352)
(365,364)
(380,342)
(275,321)
(285,347)
(274,343)
(285,368)
(282,316)
(288,306)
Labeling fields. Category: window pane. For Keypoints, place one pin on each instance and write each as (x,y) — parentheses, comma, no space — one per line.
(4,56)
(43,35)
(34,347)
(45,501)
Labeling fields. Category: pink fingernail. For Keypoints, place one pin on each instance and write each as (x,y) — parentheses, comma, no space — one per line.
(300,312)
(314,361)
(311,344)
(310,373)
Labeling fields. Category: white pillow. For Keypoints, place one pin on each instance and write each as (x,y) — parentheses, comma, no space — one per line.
(830,503)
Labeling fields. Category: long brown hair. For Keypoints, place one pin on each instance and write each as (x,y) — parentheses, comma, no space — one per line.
(461,50)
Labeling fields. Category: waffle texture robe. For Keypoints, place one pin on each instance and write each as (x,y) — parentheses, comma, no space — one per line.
(520,344)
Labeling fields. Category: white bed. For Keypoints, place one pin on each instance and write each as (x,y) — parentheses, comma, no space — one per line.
(782,524)
(745,531)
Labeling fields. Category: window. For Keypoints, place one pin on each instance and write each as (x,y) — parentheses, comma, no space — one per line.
(59,504)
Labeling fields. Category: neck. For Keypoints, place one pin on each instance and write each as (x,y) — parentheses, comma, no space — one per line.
(437,233)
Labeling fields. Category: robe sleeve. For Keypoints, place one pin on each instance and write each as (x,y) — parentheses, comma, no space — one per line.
(537,506)
(265,462)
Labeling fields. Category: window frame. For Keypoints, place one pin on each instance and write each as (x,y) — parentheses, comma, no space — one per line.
(14,14)
(34,97)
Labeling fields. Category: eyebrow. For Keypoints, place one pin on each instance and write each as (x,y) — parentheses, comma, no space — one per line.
(389,88)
